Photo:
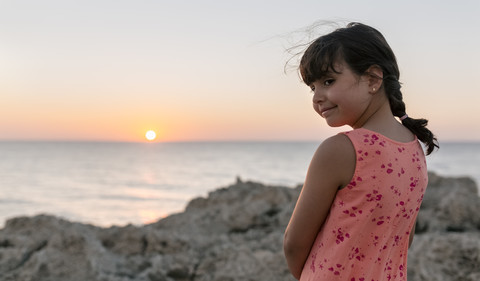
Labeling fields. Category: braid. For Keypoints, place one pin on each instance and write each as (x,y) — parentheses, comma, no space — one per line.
(416,126)
(395,97)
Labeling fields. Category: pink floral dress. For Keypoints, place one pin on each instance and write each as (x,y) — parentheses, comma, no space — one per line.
(365,236)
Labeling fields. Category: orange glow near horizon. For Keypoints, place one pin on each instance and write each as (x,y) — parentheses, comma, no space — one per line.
(64,79)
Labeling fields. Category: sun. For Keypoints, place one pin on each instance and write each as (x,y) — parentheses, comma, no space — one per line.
(150,135)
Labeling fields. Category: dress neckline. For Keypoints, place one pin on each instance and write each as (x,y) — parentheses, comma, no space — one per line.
(415,140)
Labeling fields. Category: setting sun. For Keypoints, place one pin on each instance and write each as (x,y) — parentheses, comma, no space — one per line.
(150,135)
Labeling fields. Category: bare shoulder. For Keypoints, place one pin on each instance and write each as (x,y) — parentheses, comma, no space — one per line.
(337,143)
(336,156)
(335,149)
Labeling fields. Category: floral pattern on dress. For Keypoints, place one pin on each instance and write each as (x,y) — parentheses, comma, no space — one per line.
(366,234)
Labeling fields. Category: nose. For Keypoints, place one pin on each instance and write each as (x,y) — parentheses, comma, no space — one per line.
(318,96)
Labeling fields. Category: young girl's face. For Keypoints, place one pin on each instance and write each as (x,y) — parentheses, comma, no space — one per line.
(341,98)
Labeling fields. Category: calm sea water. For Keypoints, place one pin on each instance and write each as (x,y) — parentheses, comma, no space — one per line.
(121,183)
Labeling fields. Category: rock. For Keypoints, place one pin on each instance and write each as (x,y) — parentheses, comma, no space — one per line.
(236,233)
(445,257)
(46,248)
(449,204)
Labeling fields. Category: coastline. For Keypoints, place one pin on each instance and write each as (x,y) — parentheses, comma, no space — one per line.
(109,184)
(233,234)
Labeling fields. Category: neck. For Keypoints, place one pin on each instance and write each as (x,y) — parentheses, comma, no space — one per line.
(378,116)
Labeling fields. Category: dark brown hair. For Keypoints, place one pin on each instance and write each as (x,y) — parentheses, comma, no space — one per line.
(362,46)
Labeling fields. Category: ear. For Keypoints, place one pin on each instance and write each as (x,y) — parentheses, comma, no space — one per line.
(375,78)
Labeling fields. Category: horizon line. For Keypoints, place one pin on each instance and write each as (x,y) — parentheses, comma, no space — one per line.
(462,141)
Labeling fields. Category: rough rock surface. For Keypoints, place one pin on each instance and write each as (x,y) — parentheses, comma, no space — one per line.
(447,241)
(234,234)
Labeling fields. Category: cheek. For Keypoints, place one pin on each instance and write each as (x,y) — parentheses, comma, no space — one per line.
(337,96)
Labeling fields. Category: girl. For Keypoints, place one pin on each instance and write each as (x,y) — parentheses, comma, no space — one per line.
(355,217)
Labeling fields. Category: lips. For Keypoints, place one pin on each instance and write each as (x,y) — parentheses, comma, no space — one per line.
(325,110)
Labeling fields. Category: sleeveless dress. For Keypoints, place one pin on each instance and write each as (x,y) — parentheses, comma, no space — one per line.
(365,236)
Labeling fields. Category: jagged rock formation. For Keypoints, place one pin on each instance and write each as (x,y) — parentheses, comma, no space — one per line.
(447,240)
(234,234)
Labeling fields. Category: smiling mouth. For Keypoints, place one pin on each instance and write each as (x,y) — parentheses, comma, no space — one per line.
(326,110)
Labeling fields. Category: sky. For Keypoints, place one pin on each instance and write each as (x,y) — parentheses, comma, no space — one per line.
(109,70)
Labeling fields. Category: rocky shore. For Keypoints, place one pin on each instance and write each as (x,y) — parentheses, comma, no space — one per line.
(235,233)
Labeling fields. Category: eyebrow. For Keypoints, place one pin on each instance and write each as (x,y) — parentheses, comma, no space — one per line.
(329,73)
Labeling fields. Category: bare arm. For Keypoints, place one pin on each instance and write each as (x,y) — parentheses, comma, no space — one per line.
(332,167)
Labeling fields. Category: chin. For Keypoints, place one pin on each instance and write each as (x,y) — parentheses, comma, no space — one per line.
(334,124)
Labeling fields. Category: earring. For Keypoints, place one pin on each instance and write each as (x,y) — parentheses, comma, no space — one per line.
(374,89)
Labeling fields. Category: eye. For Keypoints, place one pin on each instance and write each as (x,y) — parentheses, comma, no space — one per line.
(328,82)
(312,88)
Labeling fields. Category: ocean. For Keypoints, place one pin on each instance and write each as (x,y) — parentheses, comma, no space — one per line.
(136,183)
